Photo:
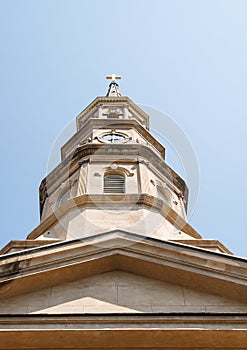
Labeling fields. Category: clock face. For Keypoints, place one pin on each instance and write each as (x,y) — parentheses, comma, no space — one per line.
(113,138)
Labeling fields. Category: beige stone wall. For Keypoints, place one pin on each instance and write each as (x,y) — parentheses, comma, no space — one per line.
(118,291)
(91,221)
(84,222)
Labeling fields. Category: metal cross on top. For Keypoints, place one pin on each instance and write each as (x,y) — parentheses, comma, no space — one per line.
(113,77)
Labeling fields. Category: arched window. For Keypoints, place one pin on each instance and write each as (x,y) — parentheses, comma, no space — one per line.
(114,183)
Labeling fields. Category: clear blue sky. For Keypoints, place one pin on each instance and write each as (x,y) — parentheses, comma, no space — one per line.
(187,58)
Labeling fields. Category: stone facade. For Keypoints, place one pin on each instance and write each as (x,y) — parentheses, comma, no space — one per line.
(118,291)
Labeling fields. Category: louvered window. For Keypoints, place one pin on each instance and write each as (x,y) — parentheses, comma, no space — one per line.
(114,184)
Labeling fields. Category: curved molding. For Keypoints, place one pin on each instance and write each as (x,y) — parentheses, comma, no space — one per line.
(118,169)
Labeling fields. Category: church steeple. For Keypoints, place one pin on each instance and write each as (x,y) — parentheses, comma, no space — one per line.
(113,176)
(113,165)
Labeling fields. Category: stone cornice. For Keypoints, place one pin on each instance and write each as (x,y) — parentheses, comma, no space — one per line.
(195,268)
(123,338)
(112,123)
(132,320)
(95,200)
(121,99)
(17,245)
(134,150)
(205,243)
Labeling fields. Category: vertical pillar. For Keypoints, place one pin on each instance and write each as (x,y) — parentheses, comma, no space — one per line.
(125,111)
(144,175)
(82,181)
(100,107)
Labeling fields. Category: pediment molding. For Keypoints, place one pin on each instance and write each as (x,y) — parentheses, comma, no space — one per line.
(206,271)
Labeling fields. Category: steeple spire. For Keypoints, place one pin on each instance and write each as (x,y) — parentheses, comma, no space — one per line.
(113,90)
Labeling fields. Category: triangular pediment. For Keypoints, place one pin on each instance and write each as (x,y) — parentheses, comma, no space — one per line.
(111,285)
(168,262)
(118,292)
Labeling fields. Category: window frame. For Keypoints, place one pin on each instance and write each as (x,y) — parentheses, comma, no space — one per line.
(114,186)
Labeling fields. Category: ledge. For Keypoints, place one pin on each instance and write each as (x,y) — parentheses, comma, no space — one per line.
(17,245)
(119,200)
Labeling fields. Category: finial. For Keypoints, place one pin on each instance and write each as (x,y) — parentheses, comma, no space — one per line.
(113,90)
(113,77)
